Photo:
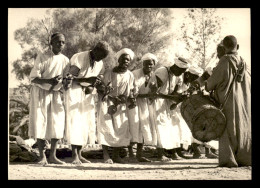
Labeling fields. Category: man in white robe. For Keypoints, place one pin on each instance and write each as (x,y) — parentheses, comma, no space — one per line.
(47,116)
(167,80)
(113,124)
(82,76)
(141,118)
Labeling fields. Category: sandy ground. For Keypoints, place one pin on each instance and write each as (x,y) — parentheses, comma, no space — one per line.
(186,169)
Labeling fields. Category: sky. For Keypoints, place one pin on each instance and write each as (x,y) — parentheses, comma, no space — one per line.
(237,23)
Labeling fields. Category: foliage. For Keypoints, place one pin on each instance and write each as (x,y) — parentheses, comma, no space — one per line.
(141,29)
(201,34)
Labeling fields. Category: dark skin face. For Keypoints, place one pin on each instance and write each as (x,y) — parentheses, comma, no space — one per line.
(58,44)
(189,77)
(124,62)
(177,71)
(98,54)
(148,66)
(220,51)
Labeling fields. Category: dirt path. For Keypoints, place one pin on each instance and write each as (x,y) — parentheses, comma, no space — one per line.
(191,169)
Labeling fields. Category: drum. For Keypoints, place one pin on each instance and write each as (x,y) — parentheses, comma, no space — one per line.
(204,119)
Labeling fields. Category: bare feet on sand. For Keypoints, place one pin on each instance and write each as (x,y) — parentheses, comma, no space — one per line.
(143,159)
(118,160)
(83,160)
(164,159)
(55,160)
(109,161)
(43,161)
(76,161)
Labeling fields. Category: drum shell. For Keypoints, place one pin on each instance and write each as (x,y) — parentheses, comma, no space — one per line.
(205,120)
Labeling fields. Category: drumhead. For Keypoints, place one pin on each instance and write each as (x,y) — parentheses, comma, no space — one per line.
(208,124)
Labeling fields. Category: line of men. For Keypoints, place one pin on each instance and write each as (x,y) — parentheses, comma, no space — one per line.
(121,121)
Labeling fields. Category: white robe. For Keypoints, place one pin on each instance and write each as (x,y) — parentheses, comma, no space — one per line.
(47,116)
(80,108)
(114,132)
(185,133)
(141,118)
(167,121)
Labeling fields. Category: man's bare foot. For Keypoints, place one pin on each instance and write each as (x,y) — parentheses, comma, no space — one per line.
(43,161)
(176,157)
(109,161)
(118,159)
(143,159)
(83,160)
(133,159)
(198,156)
(164,159)
(76,161)
(55,160)
(211,156)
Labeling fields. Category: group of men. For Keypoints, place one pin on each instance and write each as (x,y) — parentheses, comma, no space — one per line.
(63,104)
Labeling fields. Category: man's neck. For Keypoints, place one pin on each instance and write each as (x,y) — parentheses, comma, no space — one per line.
(119,69)
(56,53)
(146,72)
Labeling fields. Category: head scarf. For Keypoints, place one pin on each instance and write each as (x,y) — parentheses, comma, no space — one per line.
(194,69)
(182,63)
(125,51)
(149,56)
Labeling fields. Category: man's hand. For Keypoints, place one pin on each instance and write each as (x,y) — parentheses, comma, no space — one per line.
(55,80)
(195,84)
(93,80)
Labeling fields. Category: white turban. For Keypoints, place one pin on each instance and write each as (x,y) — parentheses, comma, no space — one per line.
(125,51)
(194,69)
(182,63)
(149,56)
(209,70)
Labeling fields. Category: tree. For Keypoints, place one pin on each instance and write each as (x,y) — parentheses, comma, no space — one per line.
(201,34)
(141,29)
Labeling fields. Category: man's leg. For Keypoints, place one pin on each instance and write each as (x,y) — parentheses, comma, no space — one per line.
(116,158)
(209,154)
(41,145)
(161,155)
(175,156)
(106,156)
(53,158)
(75,156)
(139,153)
(196,151)
(82,159)
(130,150)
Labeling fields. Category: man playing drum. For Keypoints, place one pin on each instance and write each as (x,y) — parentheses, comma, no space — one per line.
(235,144)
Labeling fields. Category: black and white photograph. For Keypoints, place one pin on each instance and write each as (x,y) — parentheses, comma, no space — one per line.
(129,93)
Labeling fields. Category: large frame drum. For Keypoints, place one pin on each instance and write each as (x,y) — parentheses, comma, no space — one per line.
(204,119)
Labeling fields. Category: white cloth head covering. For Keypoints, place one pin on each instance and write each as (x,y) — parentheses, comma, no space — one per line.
(125,51)
(194,69)
(181,62)
(209,70)
(149,56)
